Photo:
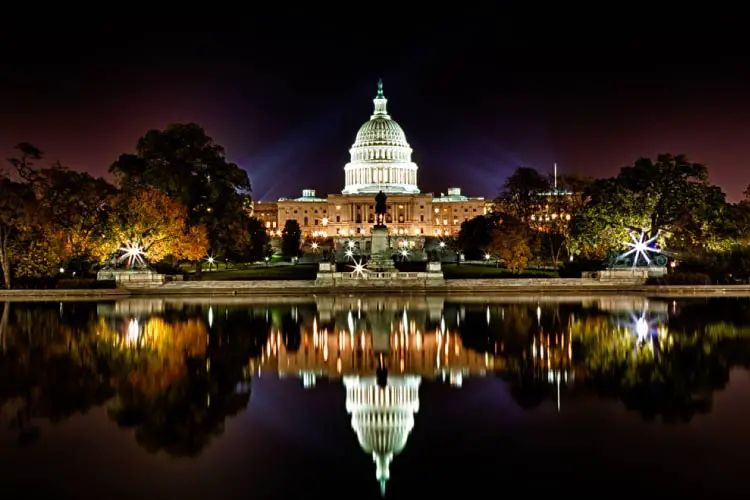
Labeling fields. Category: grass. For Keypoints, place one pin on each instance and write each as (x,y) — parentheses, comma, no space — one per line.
(298,272)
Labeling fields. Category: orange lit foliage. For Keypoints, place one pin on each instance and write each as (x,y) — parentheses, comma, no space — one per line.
(157,358)
(159,223)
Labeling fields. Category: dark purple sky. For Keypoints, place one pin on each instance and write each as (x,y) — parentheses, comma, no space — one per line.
(477,95)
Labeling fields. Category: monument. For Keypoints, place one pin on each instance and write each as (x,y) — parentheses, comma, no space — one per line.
(379,269)
(381,259)
(642,260)
(128,267)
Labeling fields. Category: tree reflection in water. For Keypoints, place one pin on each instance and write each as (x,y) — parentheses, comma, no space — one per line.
(173,381)
(671,371)
(176,373)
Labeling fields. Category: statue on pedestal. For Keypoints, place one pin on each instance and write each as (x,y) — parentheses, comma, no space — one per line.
(380,208)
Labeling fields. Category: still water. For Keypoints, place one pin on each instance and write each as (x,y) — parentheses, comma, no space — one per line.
(358,397)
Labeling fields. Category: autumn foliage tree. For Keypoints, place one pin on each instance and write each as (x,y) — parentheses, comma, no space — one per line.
(76,207)
(28,246)
(509,243)
(156,223)
(17,208)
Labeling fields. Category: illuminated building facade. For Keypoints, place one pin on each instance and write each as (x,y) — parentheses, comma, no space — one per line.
(380,160)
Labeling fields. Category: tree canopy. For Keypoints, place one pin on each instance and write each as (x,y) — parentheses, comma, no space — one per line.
(186,164)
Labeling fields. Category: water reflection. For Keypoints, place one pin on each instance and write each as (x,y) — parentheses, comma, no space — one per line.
(176,370)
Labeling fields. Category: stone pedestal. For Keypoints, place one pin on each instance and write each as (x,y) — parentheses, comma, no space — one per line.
(626,274)
(379,242)
(434,267)
(132,277)
(434,271)
(325,273)
(380,251)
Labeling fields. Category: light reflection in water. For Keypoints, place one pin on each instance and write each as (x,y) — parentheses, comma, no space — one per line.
(389,342)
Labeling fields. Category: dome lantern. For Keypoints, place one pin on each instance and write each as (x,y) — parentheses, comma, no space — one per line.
(380,102)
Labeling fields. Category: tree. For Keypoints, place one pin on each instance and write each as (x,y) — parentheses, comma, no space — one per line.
(662,190)
(250,242)
(185,163)
(670,195)
(565,206)
(25,161)
(509,244)
(75,206)
(17,219)
(291,238)
(156,223)
(476,234)
(521,192)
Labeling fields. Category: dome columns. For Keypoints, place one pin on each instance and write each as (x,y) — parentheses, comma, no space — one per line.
(380,156)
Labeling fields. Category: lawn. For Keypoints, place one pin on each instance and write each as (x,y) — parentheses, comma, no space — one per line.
(298,272)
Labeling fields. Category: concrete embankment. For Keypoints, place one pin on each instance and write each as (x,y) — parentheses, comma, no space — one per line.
(462,286)
(30,295)
(562,286)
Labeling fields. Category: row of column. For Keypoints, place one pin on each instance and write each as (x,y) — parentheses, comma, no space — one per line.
(381,175)
(364,210)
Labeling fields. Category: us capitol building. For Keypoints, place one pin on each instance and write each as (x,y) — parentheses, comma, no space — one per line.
(381,160)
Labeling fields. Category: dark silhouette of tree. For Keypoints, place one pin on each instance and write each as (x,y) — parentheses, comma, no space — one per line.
(521,192)
(291,238)
(250,242)
(475,235)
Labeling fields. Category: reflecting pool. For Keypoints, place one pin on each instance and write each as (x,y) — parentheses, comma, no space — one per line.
(363,397)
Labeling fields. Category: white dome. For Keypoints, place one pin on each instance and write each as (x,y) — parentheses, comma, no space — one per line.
(380,131)
(382,417)
(380,156)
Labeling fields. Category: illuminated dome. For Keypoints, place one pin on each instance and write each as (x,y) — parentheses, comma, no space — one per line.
(380,156)
(382,417)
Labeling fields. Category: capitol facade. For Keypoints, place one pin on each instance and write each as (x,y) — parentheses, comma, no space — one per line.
(380,160)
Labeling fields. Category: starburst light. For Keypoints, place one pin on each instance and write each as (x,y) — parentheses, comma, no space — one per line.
(133,253)
(358,269)
(349,254)
(639,247)
(404,253)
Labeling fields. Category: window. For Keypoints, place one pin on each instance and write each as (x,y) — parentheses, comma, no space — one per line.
(338,218)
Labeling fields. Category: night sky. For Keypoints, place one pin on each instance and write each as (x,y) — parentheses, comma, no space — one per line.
(477,95)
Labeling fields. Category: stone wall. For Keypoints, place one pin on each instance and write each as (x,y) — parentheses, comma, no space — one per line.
(548,287)
(54,294)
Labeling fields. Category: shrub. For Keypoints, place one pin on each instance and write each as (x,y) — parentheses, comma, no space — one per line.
(686,279)
(576,268)
(85,284)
